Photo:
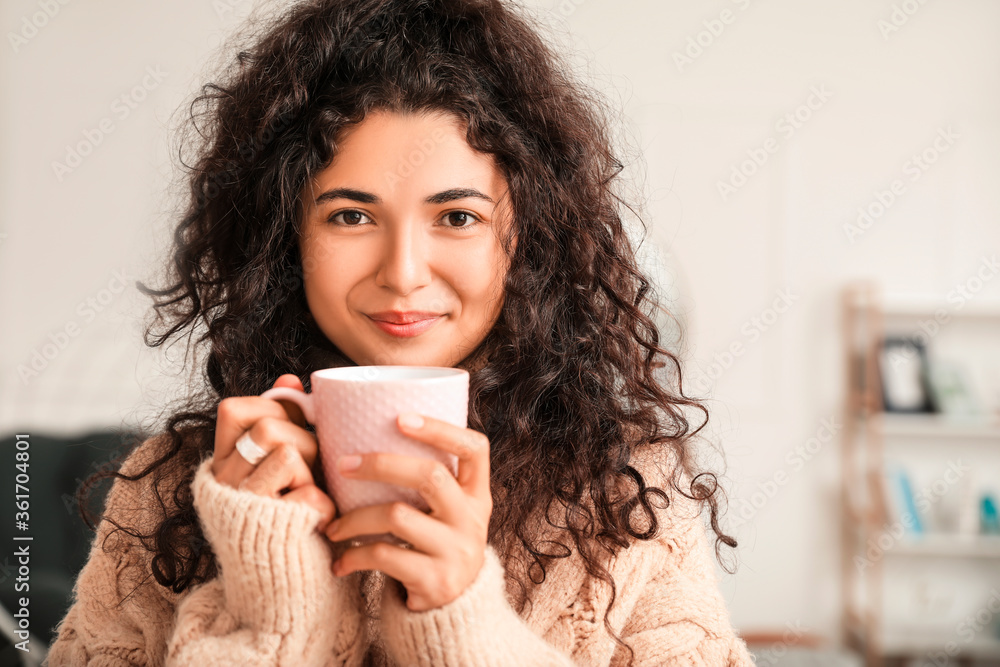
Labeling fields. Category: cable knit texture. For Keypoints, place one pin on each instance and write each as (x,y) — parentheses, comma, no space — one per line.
(276,601)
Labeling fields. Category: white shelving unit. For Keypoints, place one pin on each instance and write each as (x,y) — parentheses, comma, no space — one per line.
(871,436)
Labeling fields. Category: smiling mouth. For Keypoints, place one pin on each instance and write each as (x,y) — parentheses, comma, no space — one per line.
(404,317)
(407,329)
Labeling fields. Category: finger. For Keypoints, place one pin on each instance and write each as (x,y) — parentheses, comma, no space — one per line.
(471,447)
(268,433)
(282,468)
(311,495)
(429,477)
(404,565)
(424,533)
(237,414)
(294,411)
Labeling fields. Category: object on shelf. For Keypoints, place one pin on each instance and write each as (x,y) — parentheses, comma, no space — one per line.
(950,390)
(901,503)
(902,366)
(988,520)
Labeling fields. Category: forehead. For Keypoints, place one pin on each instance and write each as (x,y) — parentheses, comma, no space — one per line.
(399,155)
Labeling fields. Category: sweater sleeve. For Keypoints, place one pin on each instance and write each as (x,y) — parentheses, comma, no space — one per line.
(274,601)
(668,609)
(479,628)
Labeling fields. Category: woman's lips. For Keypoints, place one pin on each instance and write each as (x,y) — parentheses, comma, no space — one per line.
(406,330)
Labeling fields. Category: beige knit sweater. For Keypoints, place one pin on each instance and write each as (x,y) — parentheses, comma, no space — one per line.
(276,601)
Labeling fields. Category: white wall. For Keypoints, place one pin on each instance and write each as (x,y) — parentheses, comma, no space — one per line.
(61,241)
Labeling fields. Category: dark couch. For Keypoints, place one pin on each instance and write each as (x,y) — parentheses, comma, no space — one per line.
(61,540)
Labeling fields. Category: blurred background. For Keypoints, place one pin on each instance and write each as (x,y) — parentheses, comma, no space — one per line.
(819,182)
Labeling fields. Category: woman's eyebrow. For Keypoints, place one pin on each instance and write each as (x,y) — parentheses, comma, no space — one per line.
(369,198)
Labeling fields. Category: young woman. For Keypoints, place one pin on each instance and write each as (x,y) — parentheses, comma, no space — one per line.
(409,182)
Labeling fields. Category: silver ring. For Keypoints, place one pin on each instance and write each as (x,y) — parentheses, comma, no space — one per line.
(250,450)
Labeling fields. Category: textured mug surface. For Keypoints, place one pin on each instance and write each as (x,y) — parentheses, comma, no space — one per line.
(354,410)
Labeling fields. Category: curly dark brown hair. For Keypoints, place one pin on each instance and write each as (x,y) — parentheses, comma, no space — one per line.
(575,378)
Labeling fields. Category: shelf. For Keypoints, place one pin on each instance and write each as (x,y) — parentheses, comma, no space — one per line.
(936,425)
(949,544)
(937,544)
(902,305)
(929,641)
(925,641)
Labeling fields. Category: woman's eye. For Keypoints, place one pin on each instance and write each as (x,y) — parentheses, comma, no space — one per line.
(350,218)
(462,217)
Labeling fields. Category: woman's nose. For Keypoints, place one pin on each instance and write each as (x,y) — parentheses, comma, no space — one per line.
(404,262)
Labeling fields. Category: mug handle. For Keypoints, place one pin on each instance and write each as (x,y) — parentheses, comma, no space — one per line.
(299,398)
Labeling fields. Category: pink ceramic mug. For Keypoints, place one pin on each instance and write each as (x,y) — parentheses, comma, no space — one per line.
(354,410)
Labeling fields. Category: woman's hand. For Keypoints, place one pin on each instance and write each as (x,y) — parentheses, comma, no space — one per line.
(279,428)
(449,544)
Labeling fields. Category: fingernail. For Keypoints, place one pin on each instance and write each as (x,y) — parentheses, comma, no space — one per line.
(411,420)
(349,463)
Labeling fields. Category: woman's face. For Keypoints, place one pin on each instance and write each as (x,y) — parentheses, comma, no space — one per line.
(406,218)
